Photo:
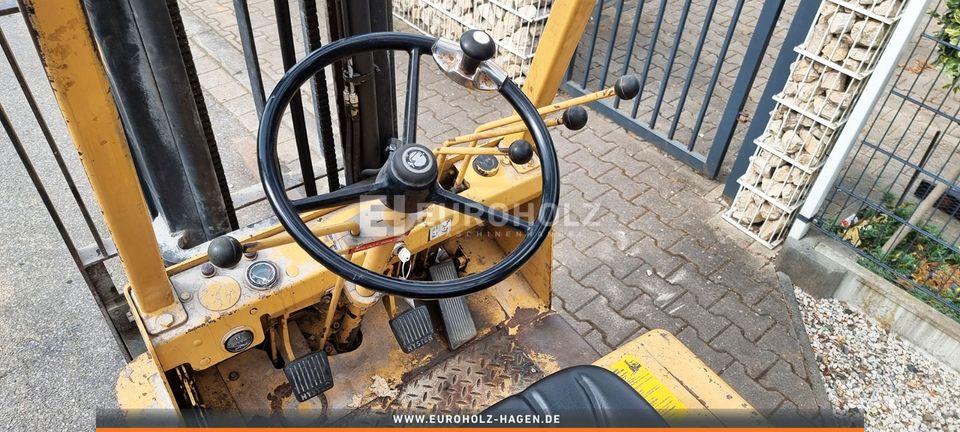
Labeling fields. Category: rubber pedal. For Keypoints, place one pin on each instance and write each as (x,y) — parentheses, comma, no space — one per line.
(309,375)
(413,328)
(457,319)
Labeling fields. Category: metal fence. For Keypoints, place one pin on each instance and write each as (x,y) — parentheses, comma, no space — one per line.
(684,54)
(40,144)
(85,238)
(897,202)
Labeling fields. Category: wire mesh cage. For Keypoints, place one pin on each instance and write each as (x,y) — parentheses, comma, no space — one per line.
(848,36)
(516,25)
(826,79)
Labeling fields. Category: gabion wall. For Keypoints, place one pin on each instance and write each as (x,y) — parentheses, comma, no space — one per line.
(825,81)
(516,25)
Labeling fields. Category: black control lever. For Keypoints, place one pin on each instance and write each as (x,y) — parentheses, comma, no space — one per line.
(477,47)
(575,118)
(520,152)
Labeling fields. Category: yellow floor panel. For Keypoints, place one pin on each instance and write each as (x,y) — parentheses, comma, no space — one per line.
(683,389)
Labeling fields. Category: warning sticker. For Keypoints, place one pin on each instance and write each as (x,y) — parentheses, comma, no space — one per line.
(642,380)
(441,229)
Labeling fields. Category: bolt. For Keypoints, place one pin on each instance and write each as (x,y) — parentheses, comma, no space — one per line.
(233,376)
(208,270)
(165,320)
(185,296)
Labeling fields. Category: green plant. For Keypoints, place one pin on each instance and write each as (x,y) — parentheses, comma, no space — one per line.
(948,56)
(919,258)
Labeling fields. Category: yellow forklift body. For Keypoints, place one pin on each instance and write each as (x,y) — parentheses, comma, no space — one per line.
(184,317)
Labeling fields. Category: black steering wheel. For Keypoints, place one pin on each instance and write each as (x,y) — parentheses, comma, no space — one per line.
(410,171)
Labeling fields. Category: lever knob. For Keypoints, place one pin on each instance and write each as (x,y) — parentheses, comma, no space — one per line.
(627,87)
(225,251)
(575,118)
(477,47)
(520,152)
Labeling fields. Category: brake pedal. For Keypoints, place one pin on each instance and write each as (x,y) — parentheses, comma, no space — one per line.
(309,375)
(413,328)
(457,320)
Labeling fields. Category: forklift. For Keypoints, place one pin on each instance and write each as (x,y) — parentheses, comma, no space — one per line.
(421,286)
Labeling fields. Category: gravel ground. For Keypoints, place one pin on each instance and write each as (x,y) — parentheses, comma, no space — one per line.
(873,374)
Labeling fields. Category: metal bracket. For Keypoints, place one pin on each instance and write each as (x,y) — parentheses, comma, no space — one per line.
(488,77)
(164,319)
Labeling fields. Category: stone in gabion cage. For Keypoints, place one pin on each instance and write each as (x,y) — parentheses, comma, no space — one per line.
(516,25)
(832,65)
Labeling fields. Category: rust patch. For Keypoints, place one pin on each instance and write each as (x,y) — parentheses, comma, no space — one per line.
(277,396)
(523,316)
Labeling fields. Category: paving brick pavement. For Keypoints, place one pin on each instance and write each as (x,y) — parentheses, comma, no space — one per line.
(643,246)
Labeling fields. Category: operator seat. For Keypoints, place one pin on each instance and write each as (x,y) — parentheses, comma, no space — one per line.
(585,396)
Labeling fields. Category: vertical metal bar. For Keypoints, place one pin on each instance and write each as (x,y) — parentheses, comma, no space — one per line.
(926,129)
(593,43)
(410,105)
(671,59)
(693,67)
(920,165)
(51,143)
(58,222)
(803,19)
(202,113)
(716,73)
(289,55)
(630,44)
(886,64)
(567,22)
(886,132)
(250,54)
(138,45)
(90,112)
(650,50)
(741,87)
(613,40)
(321,101)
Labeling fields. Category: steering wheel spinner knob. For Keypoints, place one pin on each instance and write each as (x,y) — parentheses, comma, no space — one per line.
(477,47)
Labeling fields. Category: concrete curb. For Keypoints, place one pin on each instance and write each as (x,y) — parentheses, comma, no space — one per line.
(826,268)
(814,377)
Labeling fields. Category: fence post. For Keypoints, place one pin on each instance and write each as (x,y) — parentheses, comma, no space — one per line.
(913,13)
(802,20)
(741,88)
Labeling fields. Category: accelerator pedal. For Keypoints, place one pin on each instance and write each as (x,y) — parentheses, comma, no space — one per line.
(413,328)
(309,375)
(457,320)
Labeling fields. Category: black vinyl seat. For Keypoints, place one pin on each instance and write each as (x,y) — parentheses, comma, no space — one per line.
(584,396)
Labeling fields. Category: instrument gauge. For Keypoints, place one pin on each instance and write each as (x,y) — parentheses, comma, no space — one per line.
(238,340)
(262,275)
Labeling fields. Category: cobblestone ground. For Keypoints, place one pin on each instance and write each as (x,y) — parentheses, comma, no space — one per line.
(651,253)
